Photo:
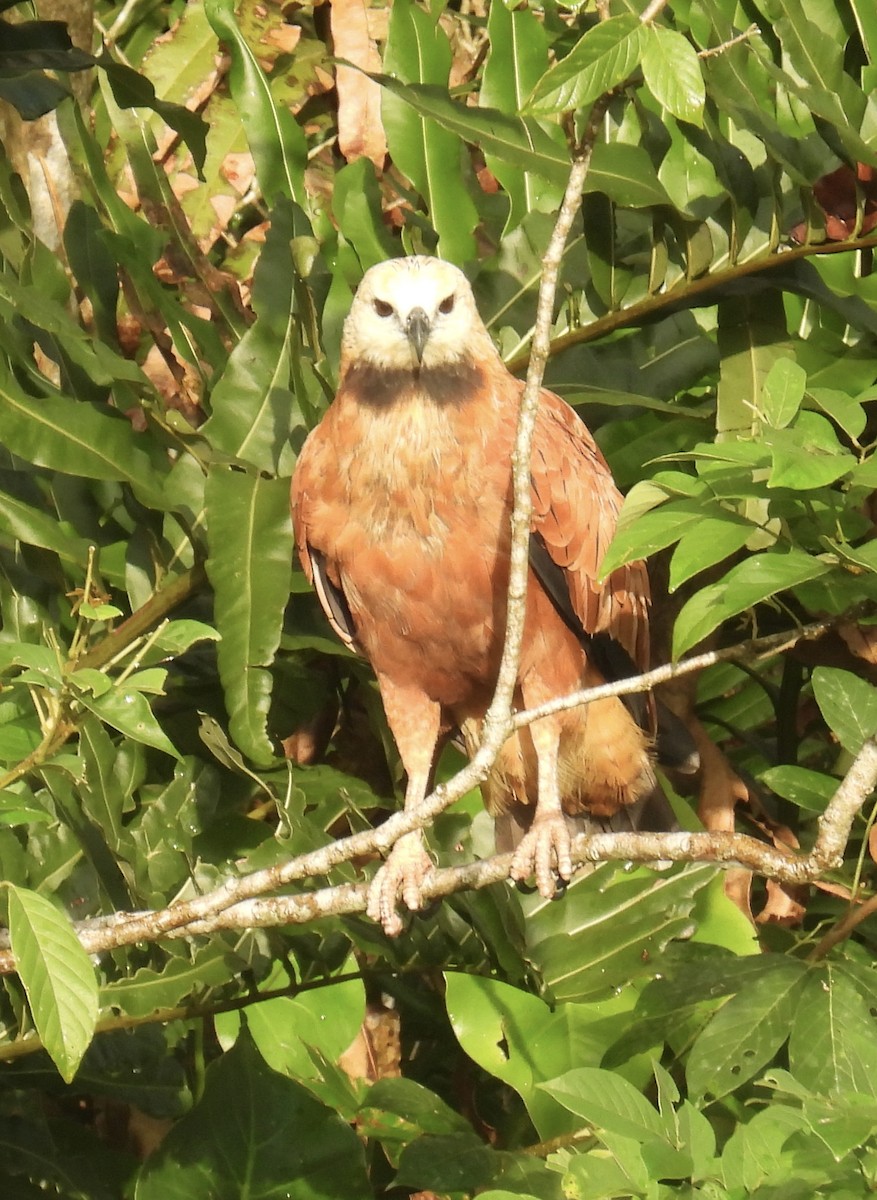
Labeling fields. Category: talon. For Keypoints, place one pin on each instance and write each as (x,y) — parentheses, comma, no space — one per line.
(400,878)
(545,852)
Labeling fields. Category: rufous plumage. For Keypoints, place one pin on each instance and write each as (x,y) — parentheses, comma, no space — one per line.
(402,499)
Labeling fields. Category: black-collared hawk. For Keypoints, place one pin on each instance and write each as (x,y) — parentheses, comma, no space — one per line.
(401,503)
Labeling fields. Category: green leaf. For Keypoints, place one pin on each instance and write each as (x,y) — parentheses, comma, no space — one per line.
(419,1111)
(833,1042)
(607,1101)
(810,790)
(747,584)
(866,19)
(133,90)
(518,141)
(849,705)
(626,175)
(672,73)
(782,392)
(147,991)
(93,265)
(516,1037)
(326,1019)
(179,636)
(57,975)
(746,1031)
(517,58)
(430,155)
(252,404)
(751,331)
(710,541)
(611,927)
(255,1133)
(102,796)
(78,439)
(452,1163)
(275,138)
(647,534)
(604,58)
(126,709)
(250,566)
(26,524)
(356,203)
(849,414)
(808,455)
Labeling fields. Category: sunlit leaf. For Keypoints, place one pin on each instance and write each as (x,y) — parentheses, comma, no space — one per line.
(57,976)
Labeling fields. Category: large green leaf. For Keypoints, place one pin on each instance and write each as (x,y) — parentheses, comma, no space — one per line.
(610,927)
(833,1041)
(672,73)
(258,1134)
(608,1102)
(519,1039)
(250,566)
(325,1019)
(747,1031)
(78,439)
(58,977)
(626,175)
(604,58)
(519,142)
(251,403)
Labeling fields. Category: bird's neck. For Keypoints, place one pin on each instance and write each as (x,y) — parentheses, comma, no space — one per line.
(444,384)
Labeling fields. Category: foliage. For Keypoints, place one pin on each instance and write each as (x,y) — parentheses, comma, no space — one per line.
(158,374)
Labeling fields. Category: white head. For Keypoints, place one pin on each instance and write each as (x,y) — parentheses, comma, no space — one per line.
(413,312)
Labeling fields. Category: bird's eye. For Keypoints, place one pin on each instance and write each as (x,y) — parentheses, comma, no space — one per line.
(447,305)
(383,309)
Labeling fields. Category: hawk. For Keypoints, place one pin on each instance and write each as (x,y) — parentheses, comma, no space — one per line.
(401,502)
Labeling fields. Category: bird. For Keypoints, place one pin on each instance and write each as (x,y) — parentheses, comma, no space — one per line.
(401,501)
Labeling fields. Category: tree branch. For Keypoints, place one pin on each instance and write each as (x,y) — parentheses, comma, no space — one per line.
(103,934)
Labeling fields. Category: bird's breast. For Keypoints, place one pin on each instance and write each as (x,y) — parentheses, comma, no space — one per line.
(419,534)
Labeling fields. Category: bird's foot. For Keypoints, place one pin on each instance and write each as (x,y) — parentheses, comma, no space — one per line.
(400,878)
(546,852)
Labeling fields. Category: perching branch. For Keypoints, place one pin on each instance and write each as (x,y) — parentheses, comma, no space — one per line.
(833,830)
(228,906)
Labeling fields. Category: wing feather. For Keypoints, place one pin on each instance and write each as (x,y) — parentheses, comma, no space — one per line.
(575,512)
(330,593)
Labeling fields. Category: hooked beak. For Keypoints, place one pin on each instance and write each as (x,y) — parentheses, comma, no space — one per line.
(417,331)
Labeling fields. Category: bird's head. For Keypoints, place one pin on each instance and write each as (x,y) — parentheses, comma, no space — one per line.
(413,313)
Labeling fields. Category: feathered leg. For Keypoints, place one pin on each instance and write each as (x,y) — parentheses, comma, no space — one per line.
(415,722)
(546,847)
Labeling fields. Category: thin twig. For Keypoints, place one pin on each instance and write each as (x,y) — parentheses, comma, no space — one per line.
(842,930)
(734,41)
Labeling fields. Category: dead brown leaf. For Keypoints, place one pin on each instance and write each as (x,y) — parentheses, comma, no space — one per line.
(861,639)
(360,129)
(839,195)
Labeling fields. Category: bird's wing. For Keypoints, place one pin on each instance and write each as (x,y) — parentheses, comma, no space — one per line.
(575,512)
(330,593)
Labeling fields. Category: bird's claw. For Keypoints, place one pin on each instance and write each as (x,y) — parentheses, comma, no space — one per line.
(546,852)
(400,878)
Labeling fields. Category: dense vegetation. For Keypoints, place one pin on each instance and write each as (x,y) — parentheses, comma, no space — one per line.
(172,723)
